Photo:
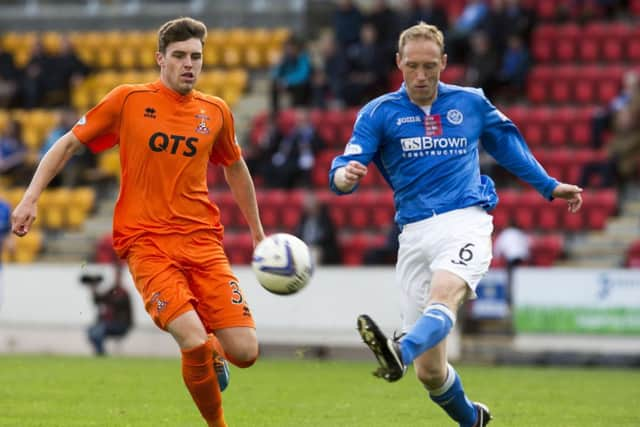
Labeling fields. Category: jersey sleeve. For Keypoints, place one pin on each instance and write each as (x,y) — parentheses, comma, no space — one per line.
(98,129)
(362,147)
(502,139)
(226,150)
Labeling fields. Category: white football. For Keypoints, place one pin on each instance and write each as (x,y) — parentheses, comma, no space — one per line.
(282,264)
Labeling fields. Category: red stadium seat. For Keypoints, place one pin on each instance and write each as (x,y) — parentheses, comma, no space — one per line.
(562,83)
(580,132)
(558,126)
(609,83)
(633,46)
(599,206)
(538,82)
(239,247)
(584,84)
(544,37)
(526,210)
(545,250)
(567,39)
(632,259)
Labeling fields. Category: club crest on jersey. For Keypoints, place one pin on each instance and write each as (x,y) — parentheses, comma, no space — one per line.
(202,126)
(455,117)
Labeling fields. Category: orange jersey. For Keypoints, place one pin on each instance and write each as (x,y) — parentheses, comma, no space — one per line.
(166,141)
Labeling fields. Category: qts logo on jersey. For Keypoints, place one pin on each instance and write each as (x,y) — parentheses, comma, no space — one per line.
(173,144)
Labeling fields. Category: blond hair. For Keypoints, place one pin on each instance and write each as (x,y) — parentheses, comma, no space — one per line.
(423,31)
(179,30)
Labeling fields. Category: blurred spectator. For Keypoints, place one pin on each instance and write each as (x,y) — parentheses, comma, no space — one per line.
(623,152)
(386,22)
(347,21)
(317,230)
(8,79)
(471,18)
(293,155)
(386,254)
(512,245)
(425,11)
(105,254)
(292,75)
(367,76)
(603,117)
(327,83)
(65,71)
(82,169)
(506,18)
(114,318)
(515,66)
(33,85)
(482,63)
(13,153)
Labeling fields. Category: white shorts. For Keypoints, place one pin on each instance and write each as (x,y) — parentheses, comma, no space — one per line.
(458,241)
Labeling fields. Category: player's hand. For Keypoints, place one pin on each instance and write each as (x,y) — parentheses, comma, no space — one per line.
(354,172)
(22,217)
(571,193)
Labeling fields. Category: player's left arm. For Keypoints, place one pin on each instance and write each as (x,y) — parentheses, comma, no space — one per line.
(241,185)
(502,139)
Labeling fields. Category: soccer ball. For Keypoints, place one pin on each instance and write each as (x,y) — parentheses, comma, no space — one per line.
(282,264)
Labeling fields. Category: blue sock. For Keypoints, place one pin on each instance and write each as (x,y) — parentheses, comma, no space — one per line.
(450,396)
(429,330)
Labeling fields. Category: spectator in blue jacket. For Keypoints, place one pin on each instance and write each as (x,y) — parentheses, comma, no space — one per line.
(292,74)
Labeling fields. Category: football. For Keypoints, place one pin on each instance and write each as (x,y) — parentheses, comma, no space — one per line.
(282,264)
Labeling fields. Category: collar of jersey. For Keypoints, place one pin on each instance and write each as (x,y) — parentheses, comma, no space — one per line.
(172,93)
(442,88)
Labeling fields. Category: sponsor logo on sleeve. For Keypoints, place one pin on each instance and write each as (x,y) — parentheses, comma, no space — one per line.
(352,149)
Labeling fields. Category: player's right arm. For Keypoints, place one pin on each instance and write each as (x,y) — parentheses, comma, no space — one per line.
(51,164)
(347,177)
(348,169)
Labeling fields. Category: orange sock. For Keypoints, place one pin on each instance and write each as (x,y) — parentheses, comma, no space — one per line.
(217,347)
(201,381)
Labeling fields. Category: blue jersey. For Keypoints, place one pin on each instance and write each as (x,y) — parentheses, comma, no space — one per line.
(5,223)
(431,160)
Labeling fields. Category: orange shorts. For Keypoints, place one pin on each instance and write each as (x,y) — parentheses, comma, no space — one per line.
(178,273)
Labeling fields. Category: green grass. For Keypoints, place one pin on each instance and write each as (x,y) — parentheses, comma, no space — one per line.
(121,392)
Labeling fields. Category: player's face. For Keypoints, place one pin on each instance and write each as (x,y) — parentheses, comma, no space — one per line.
(421,62)
(181,64)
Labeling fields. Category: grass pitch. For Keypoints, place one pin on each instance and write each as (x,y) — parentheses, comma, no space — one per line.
(131,392)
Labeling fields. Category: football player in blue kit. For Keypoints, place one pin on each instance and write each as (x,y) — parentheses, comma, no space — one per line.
(424,139)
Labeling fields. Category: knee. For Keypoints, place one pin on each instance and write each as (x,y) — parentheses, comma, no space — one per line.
(243,355)
(432,376)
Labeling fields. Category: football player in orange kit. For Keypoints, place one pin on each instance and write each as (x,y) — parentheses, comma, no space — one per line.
(164,224)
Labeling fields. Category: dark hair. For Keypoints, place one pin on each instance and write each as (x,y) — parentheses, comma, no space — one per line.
(178,30)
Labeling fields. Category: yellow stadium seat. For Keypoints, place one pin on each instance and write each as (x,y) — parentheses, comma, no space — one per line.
(14,195)
(83,197)
(237,79)
(109,163)
(254,57)
(52,41)
(147,57)
(53,207)
(211,55)
(28,247)
(81,98)
(279,35)
(127,57)
(105,58)
(4,119)
(231,57)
